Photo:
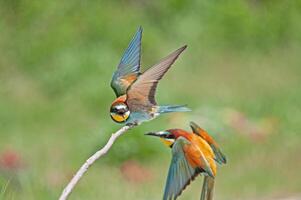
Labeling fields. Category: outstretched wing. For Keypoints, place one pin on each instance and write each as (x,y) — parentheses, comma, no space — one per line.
(142,91)
(180,173)
(128,68)
(219,156)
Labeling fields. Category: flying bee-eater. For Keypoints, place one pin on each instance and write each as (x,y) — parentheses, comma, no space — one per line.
(192,154)
(135,91)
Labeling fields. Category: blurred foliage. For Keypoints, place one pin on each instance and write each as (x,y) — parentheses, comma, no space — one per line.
(240,75)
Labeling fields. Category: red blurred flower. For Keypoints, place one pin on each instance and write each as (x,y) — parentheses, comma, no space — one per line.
(10,160)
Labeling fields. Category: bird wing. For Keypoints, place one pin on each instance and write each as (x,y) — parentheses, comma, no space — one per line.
(129,66)
(142,91)
(207,189)
(180,173)
(219,156)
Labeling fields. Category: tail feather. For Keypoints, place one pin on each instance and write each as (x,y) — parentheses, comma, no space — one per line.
(207,190)
(220,157)
(175,108)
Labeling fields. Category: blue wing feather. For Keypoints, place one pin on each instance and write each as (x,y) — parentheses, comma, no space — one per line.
(130,61)
(129,65)
(131,56)
(180,172)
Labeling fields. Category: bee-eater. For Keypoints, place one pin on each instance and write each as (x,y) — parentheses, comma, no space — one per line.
(192,154)
(135,91)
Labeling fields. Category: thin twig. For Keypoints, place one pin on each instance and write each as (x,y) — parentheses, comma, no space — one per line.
(68,189)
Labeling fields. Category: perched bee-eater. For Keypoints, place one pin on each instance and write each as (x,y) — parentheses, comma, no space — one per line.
(135,91)
(192,154)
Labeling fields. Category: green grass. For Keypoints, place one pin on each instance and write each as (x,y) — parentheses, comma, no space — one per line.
(56,62)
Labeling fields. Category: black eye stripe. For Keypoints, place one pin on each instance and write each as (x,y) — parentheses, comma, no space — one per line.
(119,110)
(170,136)
(114,110)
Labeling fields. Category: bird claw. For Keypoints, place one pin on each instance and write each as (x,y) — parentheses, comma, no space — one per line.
(132,124)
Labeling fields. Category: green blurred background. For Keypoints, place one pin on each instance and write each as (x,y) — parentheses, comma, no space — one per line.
(241,76)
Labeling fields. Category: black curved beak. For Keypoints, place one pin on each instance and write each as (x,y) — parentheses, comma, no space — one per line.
(161,134)
(151,133)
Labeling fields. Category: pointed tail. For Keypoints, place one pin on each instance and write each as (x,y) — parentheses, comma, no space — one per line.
(176,108)
(207,190)
(220,157)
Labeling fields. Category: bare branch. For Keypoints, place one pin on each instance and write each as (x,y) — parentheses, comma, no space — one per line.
(68,189)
